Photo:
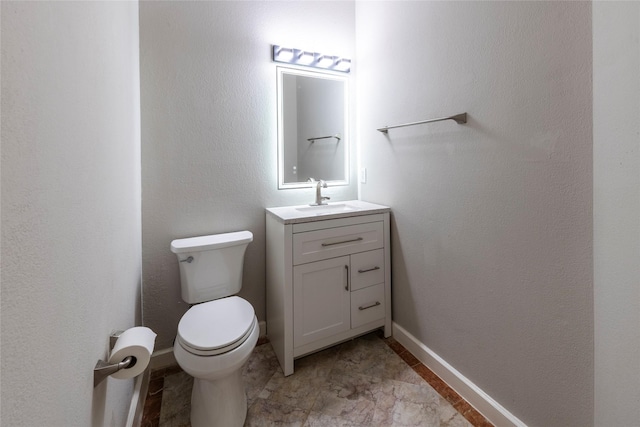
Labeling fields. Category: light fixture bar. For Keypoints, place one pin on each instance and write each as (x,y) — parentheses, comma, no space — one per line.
(310,59)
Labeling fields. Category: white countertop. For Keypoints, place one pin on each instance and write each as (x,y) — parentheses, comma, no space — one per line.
(307,213)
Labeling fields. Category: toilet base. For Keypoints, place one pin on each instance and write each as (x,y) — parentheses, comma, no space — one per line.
(219,403)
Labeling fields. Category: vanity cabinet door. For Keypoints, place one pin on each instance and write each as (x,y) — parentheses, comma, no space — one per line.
(321,300)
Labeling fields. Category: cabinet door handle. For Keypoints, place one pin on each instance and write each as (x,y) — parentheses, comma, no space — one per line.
(364,307)
(357,239)
(346,287)
(369,269)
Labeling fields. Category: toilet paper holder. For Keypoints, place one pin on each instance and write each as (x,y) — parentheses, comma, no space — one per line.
(104,369)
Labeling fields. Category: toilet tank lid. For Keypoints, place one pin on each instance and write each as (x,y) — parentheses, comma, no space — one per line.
(214,241)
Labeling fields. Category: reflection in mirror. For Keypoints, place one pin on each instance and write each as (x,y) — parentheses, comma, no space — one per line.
(313,138)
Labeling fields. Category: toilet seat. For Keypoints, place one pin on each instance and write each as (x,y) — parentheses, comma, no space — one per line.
(216,327)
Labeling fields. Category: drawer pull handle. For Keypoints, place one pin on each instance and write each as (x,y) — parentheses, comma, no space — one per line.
(369,269)
(364,307)
(357,239)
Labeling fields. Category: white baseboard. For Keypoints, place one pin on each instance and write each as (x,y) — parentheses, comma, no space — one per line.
(485,404)
(164,358)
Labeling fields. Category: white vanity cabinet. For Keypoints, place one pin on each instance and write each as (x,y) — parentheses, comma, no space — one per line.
(328,279)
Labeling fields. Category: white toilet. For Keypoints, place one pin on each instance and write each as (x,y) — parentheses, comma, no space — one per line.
(217,335)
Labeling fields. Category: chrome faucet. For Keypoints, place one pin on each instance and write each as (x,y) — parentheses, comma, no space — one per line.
(320,199)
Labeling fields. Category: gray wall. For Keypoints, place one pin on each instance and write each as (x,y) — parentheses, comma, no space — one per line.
(70,207)
(492,220)
(616,157)
(208,96)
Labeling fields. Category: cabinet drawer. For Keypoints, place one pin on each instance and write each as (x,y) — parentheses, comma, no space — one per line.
(367,268)
(333,242)
(367,305)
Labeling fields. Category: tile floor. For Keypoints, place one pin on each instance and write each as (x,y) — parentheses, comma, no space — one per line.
(368,381)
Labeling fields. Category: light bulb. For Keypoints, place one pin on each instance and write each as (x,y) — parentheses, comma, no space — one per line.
(284,54)
(343,64)
(305,58)
(325,61)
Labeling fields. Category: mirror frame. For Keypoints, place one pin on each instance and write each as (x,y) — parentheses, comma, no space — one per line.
(346,137)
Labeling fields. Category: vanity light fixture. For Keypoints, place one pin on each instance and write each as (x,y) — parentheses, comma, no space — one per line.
(310,59)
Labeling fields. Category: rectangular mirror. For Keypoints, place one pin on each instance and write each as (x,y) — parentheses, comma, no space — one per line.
(313,135)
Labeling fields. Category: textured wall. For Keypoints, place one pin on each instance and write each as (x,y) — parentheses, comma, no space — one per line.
(208,96)
(70,207)
(492,220)
(616,171)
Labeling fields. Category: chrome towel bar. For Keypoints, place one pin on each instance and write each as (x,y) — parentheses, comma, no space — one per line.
(312,140)
(458,118)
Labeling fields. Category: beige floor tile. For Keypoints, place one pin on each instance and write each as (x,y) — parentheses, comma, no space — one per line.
(349,396)
(176,400)
(269,413)
(362,382)
(405,404)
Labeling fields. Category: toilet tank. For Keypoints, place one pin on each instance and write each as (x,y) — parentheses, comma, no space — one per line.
(211,266)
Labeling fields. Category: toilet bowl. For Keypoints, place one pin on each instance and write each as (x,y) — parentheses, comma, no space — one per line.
(217,335)
(215,360)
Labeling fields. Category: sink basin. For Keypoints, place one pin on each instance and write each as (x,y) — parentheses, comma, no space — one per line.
(327,209)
